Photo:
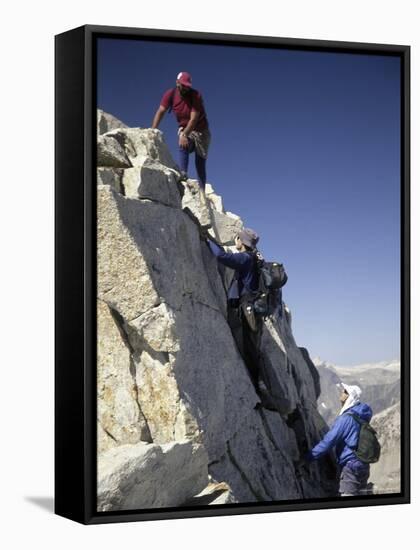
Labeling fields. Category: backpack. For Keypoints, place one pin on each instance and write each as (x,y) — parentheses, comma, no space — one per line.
(368,447)
(271,277)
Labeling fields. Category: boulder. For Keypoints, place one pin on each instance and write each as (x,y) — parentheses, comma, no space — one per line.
(111,177)
(224,228)
(216,201)
(110,153)
(150,476)
(142,143)
(107,122)
(154,181)
(196,204)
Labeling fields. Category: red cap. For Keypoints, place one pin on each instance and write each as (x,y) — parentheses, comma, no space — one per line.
(184,79)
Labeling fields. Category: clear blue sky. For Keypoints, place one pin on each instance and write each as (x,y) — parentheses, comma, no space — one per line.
(306,149)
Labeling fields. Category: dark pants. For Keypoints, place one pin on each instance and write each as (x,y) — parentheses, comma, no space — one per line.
(353,478)
(200,162)
(247,341)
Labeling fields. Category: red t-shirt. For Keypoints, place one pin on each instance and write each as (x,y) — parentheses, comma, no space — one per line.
(182,107)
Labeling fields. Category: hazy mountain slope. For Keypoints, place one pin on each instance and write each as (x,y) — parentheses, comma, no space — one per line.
(385,475)
(380,384)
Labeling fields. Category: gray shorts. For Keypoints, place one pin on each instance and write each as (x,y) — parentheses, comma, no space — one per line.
(353,478)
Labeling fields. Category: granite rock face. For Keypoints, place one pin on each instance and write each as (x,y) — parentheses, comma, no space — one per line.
(119,415)
(169,371)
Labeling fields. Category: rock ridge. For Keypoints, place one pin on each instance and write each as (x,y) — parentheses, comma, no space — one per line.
(174,397)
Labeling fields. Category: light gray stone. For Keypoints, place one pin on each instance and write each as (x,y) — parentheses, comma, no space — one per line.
(107,122)
(150,476)
(110,153)
(158,328)
(169,416)
(213,494)
(149,254)
(124,280)
(213,380)
(281,332)
(224,228)
(277,370)
(186,361)
(258,470)
(154,181)
(233,216)
(191,386)
(111,177)
(216,201)
(142,143)
(196,203)
(119,414)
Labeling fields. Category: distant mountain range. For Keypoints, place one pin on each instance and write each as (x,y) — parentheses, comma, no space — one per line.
(380,384)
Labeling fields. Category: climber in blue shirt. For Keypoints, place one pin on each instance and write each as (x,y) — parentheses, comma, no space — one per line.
(243,262)
(246,328)
(344,436)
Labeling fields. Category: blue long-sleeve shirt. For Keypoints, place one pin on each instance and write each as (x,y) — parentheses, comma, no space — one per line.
(344,435)
(244,263)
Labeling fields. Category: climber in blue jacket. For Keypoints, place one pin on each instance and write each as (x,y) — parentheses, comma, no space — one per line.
(344,436)
(246,329)
(243,262)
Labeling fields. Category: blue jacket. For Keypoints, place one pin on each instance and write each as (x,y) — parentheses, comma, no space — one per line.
(246,273)
(344,435)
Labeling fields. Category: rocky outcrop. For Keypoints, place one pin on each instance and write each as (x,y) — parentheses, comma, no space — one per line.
(110,153)
(142,476)
(107,122)
(169,371)
(386,474)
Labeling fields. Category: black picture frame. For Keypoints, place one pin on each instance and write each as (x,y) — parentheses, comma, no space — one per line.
(75,273)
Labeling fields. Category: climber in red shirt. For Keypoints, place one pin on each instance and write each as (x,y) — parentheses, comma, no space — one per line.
(193,128)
